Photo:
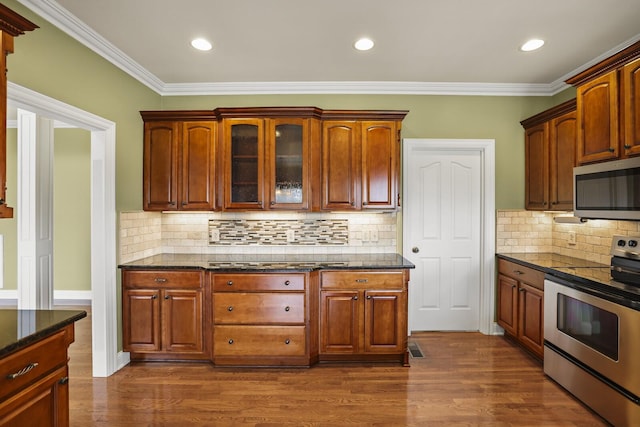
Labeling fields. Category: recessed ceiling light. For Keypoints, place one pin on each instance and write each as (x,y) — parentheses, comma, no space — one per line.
(201,44)
(363,44)
(532,44)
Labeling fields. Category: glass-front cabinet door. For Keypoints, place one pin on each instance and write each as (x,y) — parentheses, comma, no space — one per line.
(288,154)
(244,183)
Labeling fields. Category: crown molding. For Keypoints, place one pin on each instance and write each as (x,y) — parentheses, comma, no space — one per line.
(53,12)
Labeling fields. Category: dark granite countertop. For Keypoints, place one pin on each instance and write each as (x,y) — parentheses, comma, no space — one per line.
(19,328)
(546,260)
(281,262)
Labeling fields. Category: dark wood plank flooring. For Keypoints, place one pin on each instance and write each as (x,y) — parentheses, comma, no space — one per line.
(464,379)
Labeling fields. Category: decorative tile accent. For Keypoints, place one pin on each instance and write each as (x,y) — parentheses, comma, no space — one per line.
(310,232)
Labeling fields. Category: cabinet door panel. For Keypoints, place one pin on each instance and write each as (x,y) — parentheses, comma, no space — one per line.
(562,146)
(198,170)
(537,167)
(340,318)
(182,316)
(160,172)
(244,172)
(44,403)
(379,161)
(508,304)
(288,161)
(631,102)
(340,165)
(530,322)
(597,109)
(141,320)
(384,321)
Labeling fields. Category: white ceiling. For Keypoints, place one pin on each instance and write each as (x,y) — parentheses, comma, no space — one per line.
(302,46)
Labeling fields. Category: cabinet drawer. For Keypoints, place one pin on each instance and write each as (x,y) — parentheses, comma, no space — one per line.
(27,365)
(521,273)
(259,341)
(258,282)
(364,279)
(162,278)
(258,308)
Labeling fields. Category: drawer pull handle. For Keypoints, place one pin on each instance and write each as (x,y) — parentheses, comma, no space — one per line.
(231,341)
(230,283)
(362,280)
(287,283)
(287,341)
(230,308)
(518,272)
(160,280)
(63,380)
(287,308)
(22,371)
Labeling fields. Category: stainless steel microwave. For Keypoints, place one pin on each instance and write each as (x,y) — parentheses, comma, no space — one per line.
(609,190)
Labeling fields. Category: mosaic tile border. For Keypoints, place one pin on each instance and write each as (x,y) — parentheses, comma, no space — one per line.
(304,232)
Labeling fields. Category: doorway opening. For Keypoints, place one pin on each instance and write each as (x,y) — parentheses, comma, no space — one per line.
(106,359)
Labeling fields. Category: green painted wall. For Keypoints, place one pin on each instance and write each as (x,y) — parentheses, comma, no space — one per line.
(50,62)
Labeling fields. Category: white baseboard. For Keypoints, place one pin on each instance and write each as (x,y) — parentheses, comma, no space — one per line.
(9,297)
(123,359)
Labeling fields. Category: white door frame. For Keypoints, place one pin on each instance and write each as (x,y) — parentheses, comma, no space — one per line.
(486,147)
(106,359)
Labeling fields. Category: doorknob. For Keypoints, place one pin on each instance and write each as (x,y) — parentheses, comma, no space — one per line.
(415,250)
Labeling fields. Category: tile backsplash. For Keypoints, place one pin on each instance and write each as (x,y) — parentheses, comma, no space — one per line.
(148,233)
(534,231)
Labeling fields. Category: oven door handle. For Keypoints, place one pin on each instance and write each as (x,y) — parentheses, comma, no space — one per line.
(620,269)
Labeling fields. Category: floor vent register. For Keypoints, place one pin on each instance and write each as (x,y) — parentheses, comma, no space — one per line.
(414,350)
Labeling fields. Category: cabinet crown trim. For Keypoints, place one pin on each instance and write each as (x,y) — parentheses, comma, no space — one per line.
(549,114)
(609,64)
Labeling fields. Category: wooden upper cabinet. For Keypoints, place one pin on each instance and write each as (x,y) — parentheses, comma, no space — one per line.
(271,158)
(341,165)
(608,115)
(631,107)
(550,155)
(11,25)
(179,168)
(597,135)
(160,170)
(562,150)
(380,154)
(537,167)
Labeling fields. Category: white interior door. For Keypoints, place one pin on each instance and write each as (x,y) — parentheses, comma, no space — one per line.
(442,237)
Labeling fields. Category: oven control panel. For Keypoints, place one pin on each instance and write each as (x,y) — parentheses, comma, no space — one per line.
(625,246)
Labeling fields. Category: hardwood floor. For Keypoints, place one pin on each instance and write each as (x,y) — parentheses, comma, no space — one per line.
(464,379)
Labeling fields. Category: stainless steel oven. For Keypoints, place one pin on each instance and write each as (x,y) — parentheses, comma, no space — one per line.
(592,343)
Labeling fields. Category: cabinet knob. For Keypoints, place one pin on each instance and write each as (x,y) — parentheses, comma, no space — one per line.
(154,296)
(231,341)
(287,283)
(364,203)
(627,146)
(230,283)
(521,290)
(355,298)
(167,297)
(611,149)
(368,296)
(230,308)
(287,341)
(272,203)
(287,308)
(63,380)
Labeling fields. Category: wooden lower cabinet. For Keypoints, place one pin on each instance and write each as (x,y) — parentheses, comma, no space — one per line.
(163,315)
(34,389)
(363,316)
(264,319)
(521,304)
